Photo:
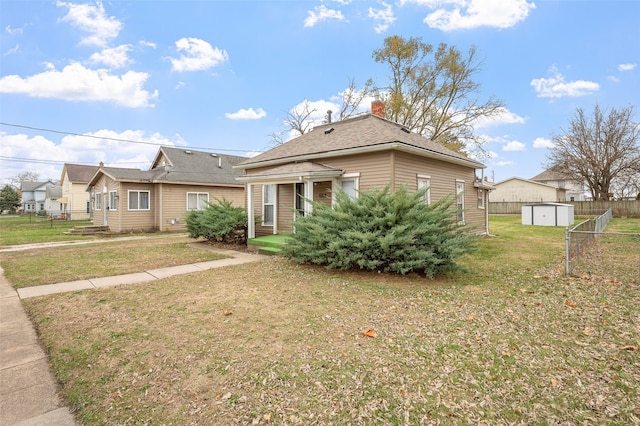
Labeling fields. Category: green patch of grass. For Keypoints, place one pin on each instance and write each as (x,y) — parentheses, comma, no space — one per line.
(26,229)
(510,341)
(62,264)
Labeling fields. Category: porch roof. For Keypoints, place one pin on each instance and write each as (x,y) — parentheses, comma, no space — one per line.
(294,171)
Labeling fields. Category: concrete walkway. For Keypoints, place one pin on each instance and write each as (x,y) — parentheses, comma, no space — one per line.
(28,391)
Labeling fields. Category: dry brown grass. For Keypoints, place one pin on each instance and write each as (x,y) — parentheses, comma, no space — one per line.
(278,343)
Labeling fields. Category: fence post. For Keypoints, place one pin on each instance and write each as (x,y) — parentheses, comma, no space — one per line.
(567,251)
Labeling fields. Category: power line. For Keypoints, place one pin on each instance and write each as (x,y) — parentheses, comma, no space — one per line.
(60,132)
(41,161)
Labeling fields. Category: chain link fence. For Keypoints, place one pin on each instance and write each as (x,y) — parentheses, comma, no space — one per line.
(589,250)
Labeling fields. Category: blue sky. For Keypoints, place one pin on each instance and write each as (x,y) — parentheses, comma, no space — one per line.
(221,75)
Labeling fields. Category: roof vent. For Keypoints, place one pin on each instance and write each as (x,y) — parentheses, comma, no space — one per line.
(213,154)
(404,129)
(187,152)
(326,132)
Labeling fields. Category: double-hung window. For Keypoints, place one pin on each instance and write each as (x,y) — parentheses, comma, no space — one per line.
(98,201)
(350,184)
(138,200)
(460,201)
(425,182)
(113,205)
(481,199)
(268,204)
(197,200)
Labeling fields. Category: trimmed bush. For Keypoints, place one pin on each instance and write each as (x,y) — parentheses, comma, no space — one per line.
(382,231)
(220,222)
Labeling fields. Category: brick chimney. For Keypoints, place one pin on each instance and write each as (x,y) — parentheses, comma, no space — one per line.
(101,164)
(377,108)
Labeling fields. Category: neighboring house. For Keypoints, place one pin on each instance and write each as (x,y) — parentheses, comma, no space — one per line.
(556,178)
(52,204)
(75,198)
(357,154)
(158,199)
(516,189)
(34,195)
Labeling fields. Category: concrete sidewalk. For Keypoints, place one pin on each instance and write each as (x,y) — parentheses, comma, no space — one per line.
(28,391)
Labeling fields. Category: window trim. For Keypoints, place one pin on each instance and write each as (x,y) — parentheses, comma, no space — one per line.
(427,179)
(272,204)
(198,199)
(112,197)
(460,201)
(98,201)
(481,198)
(139,191)
(355,178)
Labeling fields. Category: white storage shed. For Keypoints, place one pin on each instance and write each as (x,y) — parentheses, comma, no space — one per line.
(548,214)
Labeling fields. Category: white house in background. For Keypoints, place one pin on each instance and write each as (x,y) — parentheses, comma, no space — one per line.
(556,178)
(34,195)
(516,189)
(52,204)
(75,197)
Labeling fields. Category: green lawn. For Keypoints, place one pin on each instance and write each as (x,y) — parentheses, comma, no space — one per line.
(26,229)
(510,341)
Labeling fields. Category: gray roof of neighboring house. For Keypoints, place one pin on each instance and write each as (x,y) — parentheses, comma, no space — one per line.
(32,186)
(364,132)
(79,173)
(54,192)
(554,173)
(185,166)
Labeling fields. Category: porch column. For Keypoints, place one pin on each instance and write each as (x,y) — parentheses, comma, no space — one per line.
(308,196)
(251,225)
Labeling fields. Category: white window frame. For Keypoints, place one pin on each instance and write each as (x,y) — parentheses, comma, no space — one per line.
(481,198)
(98,201)
(425,180)
(200,196)
(351,177)
(113,204)
(138,191)
(460,201)
(271,203)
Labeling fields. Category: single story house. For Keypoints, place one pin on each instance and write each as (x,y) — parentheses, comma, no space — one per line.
(75,198)
(517,189)
(556,177)
(34,195)
(158,199)
(357,154)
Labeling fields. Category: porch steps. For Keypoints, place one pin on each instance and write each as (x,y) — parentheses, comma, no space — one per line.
(88,230)
(270,245)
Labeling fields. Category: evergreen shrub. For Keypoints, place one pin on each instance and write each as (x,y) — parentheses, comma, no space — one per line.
(382,231)
(219,222)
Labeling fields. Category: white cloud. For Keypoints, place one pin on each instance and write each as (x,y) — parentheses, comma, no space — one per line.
(93,20)
(321,13)
(13,31)
(514,146)
(252,154)
(147,44)
(197,55)
(503,163)
(467,14)
(77,83)
(246,114)
(626,67)
(504,116)
(15,49)
(543,143)
(383,17)
(556,87)
(613,78)
(114,57)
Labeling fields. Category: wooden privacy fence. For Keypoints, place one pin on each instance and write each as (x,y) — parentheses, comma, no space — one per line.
(581,208)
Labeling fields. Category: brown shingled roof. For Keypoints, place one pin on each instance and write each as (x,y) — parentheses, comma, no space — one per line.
(78,173)
(366,131)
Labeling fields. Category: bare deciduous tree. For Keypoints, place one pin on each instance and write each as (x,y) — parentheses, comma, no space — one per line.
(433,91)
(602,149)
(24,177)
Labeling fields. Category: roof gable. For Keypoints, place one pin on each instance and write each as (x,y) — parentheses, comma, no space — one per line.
(361,133)
(78,173)
(531,182)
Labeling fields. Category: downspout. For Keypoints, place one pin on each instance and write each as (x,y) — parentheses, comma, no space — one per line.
(105,196)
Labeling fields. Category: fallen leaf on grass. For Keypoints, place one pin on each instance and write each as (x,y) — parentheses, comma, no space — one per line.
(629,348)
(569,304)
(370,333)
(554,382)
(227,312)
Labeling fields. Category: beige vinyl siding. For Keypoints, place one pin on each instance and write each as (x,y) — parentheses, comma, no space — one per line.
(285,208)
(374,168)
(137,220)
(172,200)
(443,182)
